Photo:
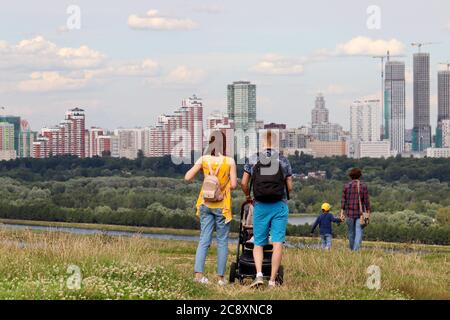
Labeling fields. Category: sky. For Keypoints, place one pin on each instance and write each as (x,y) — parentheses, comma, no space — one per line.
(126,62)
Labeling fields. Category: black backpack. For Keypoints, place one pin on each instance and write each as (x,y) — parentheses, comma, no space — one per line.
(268,188)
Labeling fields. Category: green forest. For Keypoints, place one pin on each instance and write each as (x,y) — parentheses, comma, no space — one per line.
(410,197)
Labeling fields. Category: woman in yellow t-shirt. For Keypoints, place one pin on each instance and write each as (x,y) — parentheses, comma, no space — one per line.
(216,214)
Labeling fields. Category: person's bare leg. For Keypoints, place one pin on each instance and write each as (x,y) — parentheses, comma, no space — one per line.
(258,256)
(276,259)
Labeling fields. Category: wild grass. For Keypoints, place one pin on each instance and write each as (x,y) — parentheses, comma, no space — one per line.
(33,265)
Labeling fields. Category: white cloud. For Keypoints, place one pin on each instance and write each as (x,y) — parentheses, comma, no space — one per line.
(144,69)
(364,46)
(273,64)
(51,81)
(154,21)
(40,54)
(185,75)
(39,65)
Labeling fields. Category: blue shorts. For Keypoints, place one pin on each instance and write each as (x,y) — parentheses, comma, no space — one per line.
(270,218)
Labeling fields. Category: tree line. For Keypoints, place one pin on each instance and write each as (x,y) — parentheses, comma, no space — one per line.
(404,211)
(63,168)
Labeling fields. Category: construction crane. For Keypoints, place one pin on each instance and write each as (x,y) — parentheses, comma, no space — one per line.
(382,58)
(419,45)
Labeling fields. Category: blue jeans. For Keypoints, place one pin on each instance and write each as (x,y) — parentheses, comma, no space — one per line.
(210,218)
(326,241)
(355,233)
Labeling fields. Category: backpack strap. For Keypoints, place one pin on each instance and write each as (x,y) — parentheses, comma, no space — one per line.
(255,167)
(359,197)
(218,166)
(208,161)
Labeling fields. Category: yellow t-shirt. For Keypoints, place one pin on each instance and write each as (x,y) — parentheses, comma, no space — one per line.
(224,179)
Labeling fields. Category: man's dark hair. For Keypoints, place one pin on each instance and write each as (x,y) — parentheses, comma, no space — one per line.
(355,173)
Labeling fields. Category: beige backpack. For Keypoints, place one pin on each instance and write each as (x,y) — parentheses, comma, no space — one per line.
(211,185)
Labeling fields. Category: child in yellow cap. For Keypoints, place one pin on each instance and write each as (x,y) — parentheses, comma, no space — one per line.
(324,222)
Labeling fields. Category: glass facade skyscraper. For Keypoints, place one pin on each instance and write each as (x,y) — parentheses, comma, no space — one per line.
(394,104)
(422,127)
(242,110)
(443,104)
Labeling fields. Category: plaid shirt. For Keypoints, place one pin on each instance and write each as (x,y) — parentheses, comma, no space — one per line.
(350,201)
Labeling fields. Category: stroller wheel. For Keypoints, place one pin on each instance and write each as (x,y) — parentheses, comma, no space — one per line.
(280,275)
(233,268)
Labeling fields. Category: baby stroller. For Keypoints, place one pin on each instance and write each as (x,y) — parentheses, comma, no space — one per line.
(244,267)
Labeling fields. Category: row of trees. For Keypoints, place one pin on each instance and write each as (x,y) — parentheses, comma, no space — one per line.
(158,216)
(149,192)
(137,192)
(67,167)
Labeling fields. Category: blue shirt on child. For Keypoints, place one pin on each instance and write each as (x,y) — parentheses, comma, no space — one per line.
(324,222)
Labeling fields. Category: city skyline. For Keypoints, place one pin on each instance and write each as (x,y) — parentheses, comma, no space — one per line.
(131,79)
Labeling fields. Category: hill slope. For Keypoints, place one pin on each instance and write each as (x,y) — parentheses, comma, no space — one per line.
(34,265)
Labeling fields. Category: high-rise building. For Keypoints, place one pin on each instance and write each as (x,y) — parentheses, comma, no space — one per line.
(92,147)
(41,148)
(130,142)
(319,113)
(158,141)
(69,137)
(218,119)
(56,142)
(16,123)
(364,120)
(77,119)
(293,139)
(114,146)
(179,133)
(26,139)
(326,131)
(421,128)
(194,110)
(443,104)
(242,110)
(103,146)
(394,105)
(445,133)
(7,139)
(321,128)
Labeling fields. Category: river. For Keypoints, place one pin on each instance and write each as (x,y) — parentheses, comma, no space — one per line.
(88,231)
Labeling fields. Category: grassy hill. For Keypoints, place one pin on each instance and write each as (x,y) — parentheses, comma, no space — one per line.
(34,265)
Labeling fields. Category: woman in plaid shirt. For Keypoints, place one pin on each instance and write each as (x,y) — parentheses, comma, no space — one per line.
(351,210)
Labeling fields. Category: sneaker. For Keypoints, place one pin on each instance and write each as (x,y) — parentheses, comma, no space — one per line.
(272,284)
(222,283)
(259,281)
(203,280)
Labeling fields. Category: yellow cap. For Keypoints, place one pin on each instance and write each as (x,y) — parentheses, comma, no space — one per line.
(326,207)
